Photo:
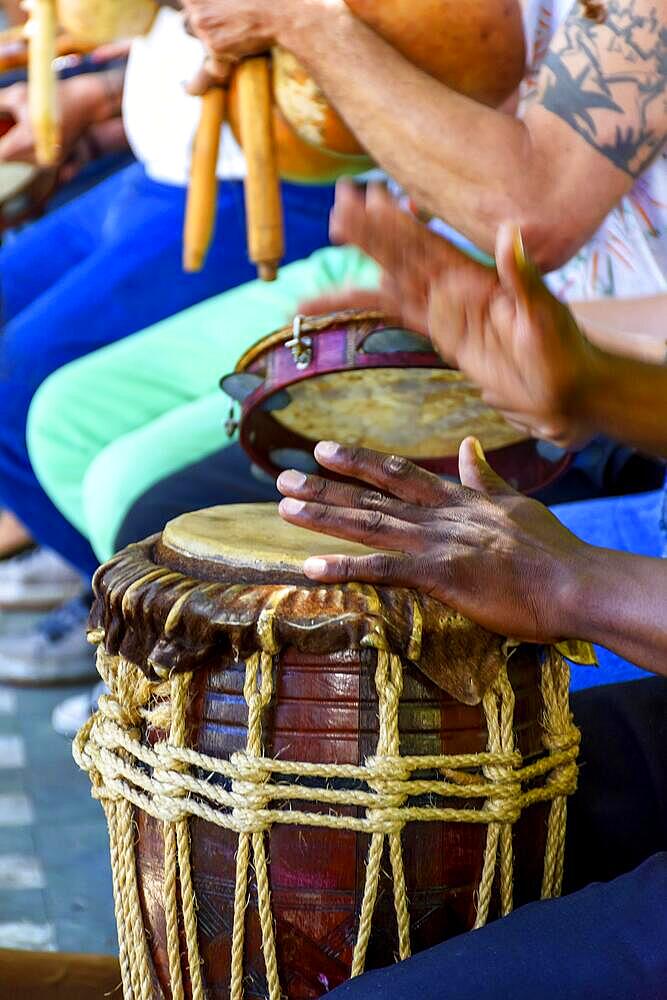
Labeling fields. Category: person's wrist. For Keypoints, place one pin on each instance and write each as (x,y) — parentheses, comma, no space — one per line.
(577,594)
(597,381)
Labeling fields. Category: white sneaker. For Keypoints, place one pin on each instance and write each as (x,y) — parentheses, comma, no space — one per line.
(54,651)
(37,581)
(71,714)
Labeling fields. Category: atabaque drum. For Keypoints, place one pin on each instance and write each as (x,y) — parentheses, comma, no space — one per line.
(353,378)
(304,781)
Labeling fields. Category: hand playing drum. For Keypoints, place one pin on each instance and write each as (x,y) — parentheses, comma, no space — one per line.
(500,326)
(481,548)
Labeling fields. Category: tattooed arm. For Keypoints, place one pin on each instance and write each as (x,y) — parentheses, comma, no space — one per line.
(600,115)
(603,99)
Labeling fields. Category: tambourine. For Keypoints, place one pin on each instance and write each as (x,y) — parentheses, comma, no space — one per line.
(354,378)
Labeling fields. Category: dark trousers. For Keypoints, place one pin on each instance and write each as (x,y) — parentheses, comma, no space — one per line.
(607,941)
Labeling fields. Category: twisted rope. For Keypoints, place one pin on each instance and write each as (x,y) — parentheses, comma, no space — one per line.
(127,774)
(559,732)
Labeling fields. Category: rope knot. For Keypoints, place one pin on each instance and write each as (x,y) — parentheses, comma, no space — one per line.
(389,778)
(563,740)
(250,792)
(128,717)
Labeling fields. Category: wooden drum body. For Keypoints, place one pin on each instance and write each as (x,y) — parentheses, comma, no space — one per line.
(370,772)
(350,377)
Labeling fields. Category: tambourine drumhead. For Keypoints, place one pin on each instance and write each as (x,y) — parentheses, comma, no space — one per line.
(355,378)
(15,178)
(421,412)
(249,537)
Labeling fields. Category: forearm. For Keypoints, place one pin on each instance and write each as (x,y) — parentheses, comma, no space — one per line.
(620,603)
(393,107)
(631,327)
(625,399)
(110,84)
(109,136)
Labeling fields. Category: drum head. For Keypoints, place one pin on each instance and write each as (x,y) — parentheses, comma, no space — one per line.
(15,178)
(421,412)
(245,543)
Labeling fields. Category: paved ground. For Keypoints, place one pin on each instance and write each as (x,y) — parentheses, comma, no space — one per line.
(55,882)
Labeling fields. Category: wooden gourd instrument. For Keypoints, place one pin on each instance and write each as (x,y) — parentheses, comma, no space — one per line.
(476,48)
(266,241)
(89,23)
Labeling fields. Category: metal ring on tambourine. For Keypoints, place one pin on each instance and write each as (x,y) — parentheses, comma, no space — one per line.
(357,377)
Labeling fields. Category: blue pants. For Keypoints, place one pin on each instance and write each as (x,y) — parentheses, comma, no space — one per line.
(636,524)
(101,268)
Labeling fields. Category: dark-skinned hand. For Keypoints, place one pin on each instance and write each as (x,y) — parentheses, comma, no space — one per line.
(82,101)
(481,548)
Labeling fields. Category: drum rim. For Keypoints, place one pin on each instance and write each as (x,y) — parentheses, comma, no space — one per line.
(310,325)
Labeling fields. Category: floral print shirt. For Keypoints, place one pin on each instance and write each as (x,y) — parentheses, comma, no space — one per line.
(627,256)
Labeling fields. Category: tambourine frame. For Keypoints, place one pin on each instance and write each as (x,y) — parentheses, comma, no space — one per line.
(331,344)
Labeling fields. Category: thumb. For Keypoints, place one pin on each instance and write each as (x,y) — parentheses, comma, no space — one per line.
(476,473)
(518,274)
(213,73)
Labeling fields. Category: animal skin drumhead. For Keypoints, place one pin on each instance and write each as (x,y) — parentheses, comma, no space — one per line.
(14,178)
(420,412)
(245,535)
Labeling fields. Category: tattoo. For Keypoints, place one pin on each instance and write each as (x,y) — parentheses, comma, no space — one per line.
(608,81)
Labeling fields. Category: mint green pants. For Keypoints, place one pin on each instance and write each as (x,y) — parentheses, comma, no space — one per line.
(104,429)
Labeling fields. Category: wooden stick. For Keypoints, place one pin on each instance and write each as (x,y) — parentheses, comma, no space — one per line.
(266,240)
(201,208)
(42,85)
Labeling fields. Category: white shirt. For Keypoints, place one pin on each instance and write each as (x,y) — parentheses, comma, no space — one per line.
(627,256)
(160,118)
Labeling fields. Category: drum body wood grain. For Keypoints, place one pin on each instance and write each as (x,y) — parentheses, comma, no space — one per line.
(325,710)
(285,777)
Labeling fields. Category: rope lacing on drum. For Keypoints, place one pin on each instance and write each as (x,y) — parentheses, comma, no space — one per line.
(260,792)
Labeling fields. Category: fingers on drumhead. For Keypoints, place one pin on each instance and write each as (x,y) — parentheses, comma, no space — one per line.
(378,568)
(391,473)
(373,528)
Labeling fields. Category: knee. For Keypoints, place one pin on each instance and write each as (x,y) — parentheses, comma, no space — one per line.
(108,490)
(47,421)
